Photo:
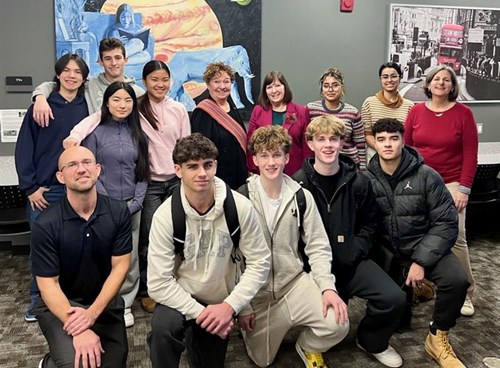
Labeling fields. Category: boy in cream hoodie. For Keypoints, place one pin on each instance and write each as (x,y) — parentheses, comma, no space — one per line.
(196,296)
(291,297)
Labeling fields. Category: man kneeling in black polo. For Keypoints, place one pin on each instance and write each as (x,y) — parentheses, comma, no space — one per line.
(81,255)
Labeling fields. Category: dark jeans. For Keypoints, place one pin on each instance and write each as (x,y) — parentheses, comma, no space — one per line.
(171,333)
(156,194)
(110,327)
(54,195)
(385,305)
(451,283)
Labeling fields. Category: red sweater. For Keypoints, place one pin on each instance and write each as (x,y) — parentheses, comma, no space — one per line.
(448,143)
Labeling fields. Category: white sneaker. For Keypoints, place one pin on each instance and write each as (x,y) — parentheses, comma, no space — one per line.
(128,317)
(491,362)
(389,357)
(468,308)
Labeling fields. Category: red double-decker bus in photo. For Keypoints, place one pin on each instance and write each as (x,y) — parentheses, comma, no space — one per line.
(451,46)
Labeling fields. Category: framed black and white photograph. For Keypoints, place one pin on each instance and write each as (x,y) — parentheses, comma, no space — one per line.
(465,38)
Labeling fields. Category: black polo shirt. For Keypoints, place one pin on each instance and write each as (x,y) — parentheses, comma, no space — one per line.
(80,251)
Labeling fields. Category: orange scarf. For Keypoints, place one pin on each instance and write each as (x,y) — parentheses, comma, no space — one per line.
(399,100)
(226,121)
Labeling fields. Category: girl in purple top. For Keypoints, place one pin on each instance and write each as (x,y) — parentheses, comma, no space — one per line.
(121,147)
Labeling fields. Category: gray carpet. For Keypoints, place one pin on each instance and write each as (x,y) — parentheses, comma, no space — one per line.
(22,344)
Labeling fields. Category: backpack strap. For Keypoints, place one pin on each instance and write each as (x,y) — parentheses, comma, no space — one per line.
(179,220)
(301,203)
(231,214)
(302,206)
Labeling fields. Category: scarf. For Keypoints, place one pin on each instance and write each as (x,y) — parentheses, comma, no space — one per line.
(394,105)
(226,121)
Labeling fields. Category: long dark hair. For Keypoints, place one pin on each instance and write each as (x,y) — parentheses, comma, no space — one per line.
(63,62)
(134,125)
(144,102)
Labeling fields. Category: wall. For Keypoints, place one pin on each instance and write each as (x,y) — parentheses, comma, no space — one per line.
(300,38)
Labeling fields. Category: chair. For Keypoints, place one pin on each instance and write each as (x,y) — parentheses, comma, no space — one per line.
(484,200)
(14,227)
(485,188)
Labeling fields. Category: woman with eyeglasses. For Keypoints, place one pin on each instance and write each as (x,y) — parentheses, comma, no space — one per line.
(275,107)
(386,103)
(121,148)
(332,89)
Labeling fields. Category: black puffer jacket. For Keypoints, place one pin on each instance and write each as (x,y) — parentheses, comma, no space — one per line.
(349,218)
(419,217)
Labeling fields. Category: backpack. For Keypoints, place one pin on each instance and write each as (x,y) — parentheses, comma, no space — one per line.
(302,205)
(233,224)
(179,220)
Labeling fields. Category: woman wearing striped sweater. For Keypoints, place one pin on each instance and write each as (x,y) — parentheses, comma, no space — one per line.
(387,103)
(332,90)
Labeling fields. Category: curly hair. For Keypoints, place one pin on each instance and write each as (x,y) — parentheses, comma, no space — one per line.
(332,72)
(325,124)
(194,147)
(388,125)
(215,69)
(270,138)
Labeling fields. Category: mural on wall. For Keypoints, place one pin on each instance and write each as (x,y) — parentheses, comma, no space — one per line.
(186,34)
(465,38)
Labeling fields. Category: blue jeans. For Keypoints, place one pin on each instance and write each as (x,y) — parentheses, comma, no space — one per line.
(156,194)
(54,195)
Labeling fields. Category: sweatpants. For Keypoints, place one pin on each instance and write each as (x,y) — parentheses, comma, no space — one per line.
(130,286)
(385,305)
(301,306)
(171,333)
(109,326)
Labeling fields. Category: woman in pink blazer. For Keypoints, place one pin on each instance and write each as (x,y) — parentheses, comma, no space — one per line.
(275,107)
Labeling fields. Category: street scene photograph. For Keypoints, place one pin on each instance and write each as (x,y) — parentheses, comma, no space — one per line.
(466,39)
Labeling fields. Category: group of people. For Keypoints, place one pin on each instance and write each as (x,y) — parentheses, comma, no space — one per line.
(210,224)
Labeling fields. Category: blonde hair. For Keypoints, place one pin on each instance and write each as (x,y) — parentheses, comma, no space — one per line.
(270,138)
(325,124)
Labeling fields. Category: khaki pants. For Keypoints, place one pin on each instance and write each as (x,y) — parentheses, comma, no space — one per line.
(460,249)
(301,306)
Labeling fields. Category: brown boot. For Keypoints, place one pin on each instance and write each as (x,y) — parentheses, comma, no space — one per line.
(148,304)
(439,348)
(424,293)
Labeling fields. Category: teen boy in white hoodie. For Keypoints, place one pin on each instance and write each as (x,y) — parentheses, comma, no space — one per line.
(291,297)
(196,295)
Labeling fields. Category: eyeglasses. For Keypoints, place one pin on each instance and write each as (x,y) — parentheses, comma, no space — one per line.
(73,165)
(333,86)
(386,76)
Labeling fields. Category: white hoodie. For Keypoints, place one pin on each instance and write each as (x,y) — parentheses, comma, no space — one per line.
(207,274)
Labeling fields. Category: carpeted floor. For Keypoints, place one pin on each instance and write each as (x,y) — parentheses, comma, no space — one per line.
(22,344)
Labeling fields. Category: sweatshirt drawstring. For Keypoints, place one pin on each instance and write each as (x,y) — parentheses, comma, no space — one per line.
(297,209)
(268,335)
(197,245)
(288,307)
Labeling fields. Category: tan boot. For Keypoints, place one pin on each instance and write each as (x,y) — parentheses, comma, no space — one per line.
(439,348)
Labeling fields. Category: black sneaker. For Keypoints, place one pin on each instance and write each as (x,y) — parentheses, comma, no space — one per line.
(29,316)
